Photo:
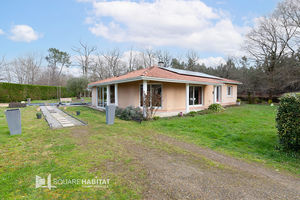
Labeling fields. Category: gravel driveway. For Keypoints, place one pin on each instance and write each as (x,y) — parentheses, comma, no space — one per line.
(199,173)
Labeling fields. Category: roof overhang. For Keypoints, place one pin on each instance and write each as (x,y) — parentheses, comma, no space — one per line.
(234,83)
(154,79)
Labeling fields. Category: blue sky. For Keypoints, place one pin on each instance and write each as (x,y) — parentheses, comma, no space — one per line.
(62,23)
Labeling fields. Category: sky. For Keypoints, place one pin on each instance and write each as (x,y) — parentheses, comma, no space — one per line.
(215,29)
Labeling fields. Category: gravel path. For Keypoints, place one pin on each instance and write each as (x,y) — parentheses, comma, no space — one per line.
(199,173)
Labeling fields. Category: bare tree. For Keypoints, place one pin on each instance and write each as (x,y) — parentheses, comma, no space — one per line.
(25,69)
(192,58)
(148,57)
(99,69)
(2,68)
(113,62)
(164,56)
(290,9)
(269,42)
(84,57)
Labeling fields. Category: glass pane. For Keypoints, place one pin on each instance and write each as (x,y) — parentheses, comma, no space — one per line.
(156,95)
(201,95)
(191,95)
(112,94)
(141,95)
(105,96)
(218,94)
(196,95)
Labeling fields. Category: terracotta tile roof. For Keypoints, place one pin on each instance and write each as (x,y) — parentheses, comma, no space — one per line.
(157,72)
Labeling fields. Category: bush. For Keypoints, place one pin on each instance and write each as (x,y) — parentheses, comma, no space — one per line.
(192,114)
(216,107)
(288,122)
(156,118)
(129,113)
(270,101)
(16,105)
(11,92)
(238,100)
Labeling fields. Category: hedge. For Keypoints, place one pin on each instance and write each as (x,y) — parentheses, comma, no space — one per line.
(11,92)
(288,122)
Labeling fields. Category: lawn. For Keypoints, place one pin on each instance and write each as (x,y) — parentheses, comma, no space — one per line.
(248,132)
(97,150)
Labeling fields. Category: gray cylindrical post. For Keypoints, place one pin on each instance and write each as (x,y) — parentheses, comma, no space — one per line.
(13,118)
(110,114)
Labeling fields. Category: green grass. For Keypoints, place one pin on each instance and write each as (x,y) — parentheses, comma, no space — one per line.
(247,132)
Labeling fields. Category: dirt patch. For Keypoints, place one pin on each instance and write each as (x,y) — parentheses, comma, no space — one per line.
(182,176)
(253,168)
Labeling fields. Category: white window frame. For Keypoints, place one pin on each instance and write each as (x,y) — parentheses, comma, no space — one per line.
(150,85)
(215,94)
(194,95)
(104,102)
(231,91)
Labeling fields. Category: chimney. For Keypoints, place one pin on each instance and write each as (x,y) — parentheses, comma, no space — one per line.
(161,64)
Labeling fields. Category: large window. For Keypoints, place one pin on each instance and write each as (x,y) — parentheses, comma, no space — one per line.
(195,95)
(102,96)
(217,94)
(112,94)
(153,97)
(229,90)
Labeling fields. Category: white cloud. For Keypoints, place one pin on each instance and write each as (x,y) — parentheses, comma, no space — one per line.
(23,33)
(1,32)
(212,61)
(188,24)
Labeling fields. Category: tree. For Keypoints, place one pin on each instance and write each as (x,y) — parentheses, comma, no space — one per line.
(77,85)
(57,60)
(84,56)
(113,62)
(165,57)
(192,60)
(2,68)
(269,42)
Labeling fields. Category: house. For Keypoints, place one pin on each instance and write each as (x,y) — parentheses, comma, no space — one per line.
(179,90)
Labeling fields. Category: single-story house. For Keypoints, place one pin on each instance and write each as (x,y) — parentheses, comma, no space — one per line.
(179,90)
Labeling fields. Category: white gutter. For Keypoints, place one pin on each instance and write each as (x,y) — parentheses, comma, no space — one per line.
(147,78)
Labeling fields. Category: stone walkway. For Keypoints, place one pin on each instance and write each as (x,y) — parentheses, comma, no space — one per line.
(58,119)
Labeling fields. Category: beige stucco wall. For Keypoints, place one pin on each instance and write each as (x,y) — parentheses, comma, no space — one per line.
(128,94)
(173,96)
(226,100)
(94,96)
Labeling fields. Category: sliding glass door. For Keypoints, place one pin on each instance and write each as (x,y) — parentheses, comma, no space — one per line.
(102,96)
(195,95)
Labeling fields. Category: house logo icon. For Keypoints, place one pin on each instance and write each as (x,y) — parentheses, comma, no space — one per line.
(41,182)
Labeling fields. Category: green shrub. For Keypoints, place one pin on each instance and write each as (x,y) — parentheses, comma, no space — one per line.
(156,118)
(288,122)
(270,101)
(238,100)
(216,107)
(192,113)
(11,92)
(130,113)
